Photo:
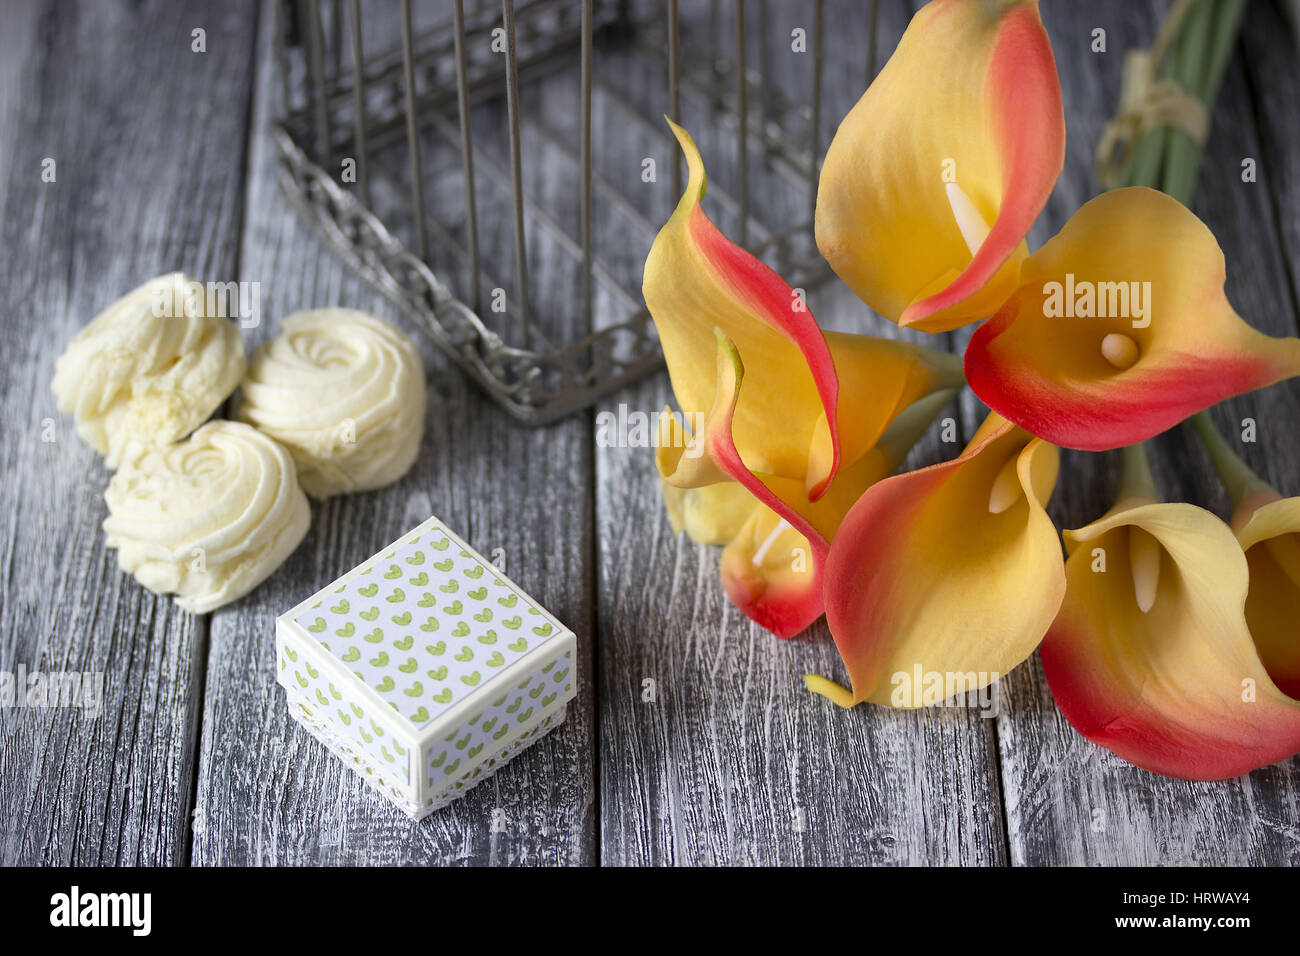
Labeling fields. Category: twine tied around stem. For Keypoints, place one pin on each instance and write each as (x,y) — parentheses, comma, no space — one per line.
(1147,102)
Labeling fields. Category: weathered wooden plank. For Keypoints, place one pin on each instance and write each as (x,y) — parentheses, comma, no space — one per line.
(1068,801)
(733,762)
(1267,54)
(147,177)
(267,792)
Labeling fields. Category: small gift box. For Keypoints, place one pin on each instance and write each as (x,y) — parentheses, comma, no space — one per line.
(425,668)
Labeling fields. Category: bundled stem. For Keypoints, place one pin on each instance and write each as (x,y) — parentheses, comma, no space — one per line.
(1192,51)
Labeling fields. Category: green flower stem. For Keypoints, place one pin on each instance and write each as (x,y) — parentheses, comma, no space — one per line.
(1136,480)
(906,430)
(1182,154)
(1238,480)
(1223,38)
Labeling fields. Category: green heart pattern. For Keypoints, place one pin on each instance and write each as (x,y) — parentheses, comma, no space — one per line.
(509,710)
(444,793)
(347,718)
(378,623)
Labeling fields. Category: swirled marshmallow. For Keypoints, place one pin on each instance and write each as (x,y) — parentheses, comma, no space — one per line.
(344,392)
(148,370)
(208,518)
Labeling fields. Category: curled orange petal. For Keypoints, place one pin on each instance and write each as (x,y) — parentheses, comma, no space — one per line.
(696,280)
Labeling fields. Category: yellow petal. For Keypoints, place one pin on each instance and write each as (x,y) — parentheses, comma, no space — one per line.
(714,514)
(1270,537)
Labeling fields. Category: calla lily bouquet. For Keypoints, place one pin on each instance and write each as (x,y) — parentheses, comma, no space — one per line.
(1167,636)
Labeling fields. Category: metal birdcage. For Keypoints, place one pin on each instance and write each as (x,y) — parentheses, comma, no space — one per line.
(445,150)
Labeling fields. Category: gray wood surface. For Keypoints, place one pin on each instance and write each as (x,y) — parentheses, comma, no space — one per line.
(147,175)
(168,164)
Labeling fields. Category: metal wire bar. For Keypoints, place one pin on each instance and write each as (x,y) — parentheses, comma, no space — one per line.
(467,157)
(316,70)
(336,37)
(872,23)
(537,57)
(359,102)
(281,54)
(764,67)
(742,110)
(542,221)
(656,130)
(674,92)
(786,154)
(413,135)
(516,172)
(815,123)
(548,32)
(584,108)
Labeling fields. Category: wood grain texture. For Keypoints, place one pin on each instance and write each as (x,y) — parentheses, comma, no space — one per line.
(1067,800)
(267,792)
(146,174)
(164,162)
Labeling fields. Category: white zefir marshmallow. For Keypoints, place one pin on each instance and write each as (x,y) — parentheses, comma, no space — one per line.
(344,392)
(149,369)
(209,518)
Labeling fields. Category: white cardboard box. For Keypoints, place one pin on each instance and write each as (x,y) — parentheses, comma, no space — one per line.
(425,668)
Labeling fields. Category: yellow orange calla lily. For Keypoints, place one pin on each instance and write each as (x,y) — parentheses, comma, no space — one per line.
(1268,529)
(1120,329)
(791,421)
(954,569)
(814,405)
(772,567)
(1178,688)
(965,118)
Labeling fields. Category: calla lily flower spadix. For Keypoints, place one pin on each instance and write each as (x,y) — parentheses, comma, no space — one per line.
(1120,329)
(965,116)
(1152,655)
(927,566)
